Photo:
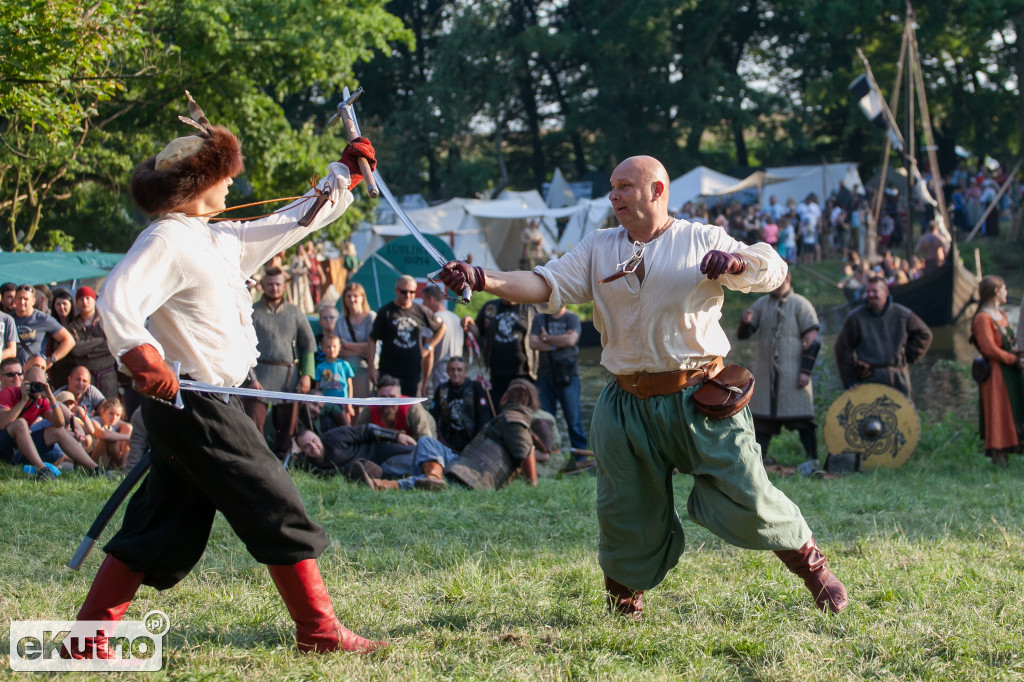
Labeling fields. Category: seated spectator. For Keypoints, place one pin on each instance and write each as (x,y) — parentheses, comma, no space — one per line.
(460,407)
(90,348)
(21,407)
(413,420)
(354,450)
(334,375)
(35,329)
(112,435)
(502,449)
(79,423)
(86,395)
(11,372)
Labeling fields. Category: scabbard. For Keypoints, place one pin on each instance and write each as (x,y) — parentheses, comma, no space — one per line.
(116,499)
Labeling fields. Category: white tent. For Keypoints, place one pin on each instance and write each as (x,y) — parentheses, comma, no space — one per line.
(822,180)
(559,193)
(700,182)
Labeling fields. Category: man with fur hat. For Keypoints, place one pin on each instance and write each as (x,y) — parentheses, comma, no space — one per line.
(180,295)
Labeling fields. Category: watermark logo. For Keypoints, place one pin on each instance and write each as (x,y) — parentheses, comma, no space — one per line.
(136,645)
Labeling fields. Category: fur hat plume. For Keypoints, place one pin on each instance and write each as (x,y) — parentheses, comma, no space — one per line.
(187,166)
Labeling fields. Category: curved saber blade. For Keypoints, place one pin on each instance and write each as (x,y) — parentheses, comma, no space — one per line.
(201,387)
(385,192)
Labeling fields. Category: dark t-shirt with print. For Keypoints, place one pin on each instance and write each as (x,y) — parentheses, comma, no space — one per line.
(556,326)
(398,330)
(33,331)
(460,411)
(502,326)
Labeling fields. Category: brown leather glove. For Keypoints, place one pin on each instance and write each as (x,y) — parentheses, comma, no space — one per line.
(457,275)
(718,263)
(152,375)
(358,148)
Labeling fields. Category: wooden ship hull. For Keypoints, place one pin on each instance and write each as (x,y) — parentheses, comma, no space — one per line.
(943,297)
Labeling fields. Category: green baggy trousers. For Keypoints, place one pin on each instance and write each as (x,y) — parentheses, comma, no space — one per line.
(637,444)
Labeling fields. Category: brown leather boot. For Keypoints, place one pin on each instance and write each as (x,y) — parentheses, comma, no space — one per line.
(383,484)
(317,629)
(433,479)
(624,601)
(111,593)
(810,564)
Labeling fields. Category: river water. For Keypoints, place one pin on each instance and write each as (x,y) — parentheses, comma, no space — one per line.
(941,380)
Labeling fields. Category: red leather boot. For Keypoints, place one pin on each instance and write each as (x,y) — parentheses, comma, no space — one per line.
(317,629)
(810,564)
(109,597)
(624,601)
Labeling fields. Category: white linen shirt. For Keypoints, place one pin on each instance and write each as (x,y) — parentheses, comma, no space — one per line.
(670,321)
(181,287)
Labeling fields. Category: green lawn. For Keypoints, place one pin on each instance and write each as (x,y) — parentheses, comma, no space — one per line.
(506,585)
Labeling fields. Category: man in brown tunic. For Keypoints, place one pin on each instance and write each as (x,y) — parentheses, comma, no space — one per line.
(879,340)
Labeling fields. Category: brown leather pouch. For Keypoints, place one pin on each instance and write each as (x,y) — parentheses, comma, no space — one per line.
(726,393)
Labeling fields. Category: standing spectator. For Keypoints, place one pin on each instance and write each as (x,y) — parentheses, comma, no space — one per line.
(533,245)
(8,336)
(299,293)
(787,240)
(503,328)
(1002,393)
(774,211)
(91,343)
(879,340)
(988,195)
(557,339)
(36,328)
(931,248)
(328,316)
(350,261)
(357,348)
(7,292)
(460,407)
(787,331)
(770,232)
(398,326)
(334,375)
(809,214)
(451,345)
(286,347)
(64,312)
(21,406)
(81,387)
(317,276)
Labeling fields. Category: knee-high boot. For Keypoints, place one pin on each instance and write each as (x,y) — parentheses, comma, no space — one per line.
(810,564)
(317,628)
(111,593)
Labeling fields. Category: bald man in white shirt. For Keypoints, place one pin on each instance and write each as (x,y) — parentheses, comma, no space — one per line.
(657,287)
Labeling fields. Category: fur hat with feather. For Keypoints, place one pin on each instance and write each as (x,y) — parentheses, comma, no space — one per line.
(187,166)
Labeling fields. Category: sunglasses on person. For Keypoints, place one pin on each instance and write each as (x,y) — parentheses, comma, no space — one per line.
(11,375)
(407,292)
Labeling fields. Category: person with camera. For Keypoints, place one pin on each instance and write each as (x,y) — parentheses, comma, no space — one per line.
(21,406)
(557,337)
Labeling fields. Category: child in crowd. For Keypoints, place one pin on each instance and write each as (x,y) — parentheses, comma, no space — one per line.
(112,435)
(771,231)
(334,375)
(787,240)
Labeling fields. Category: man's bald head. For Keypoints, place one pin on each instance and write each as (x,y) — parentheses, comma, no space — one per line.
(640,195)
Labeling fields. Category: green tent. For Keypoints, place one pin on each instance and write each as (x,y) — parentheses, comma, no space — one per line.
(402,256)
(51,267)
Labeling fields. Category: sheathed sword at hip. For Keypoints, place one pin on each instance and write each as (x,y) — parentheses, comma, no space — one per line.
(347,113)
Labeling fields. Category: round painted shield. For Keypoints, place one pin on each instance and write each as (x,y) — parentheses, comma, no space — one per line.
(875,421)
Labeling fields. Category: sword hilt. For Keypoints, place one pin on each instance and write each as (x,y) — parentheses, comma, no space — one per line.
(352,132)
(467,293)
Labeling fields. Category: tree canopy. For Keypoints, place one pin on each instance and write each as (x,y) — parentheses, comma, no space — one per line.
(465,98)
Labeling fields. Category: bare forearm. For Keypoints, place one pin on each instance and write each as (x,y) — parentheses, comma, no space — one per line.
(520,286)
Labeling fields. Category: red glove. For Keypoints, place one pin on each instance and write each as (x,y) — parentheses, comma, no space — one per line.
(457,275)
(152,375)
(718,263)
(358,148)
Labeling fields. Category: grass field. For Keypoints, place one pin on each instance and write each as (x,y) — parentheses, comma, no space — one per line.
(506,585)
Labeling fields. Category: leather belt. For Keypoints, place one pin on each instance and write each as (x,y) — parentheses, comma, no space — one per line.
(647,385)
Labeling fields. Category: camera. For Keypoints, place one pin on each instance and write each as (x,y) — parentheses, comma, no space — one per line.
(35,387)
